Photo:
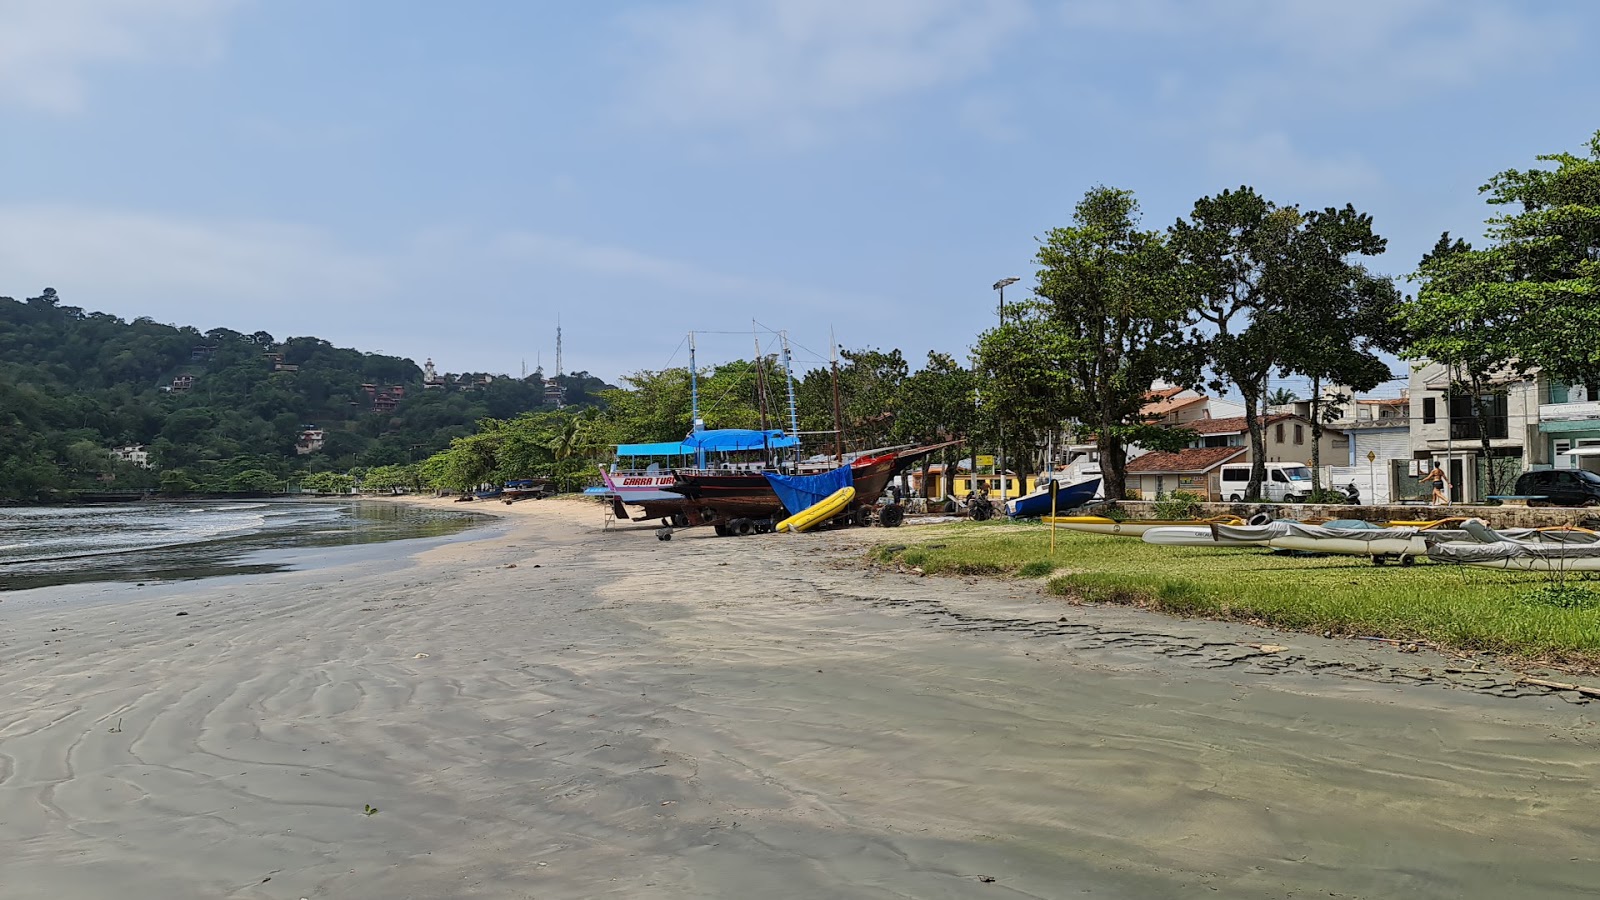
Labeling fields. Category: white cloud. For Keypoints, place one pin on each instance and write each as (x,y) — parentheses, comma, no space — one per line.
(785,69)
(1358,54)
(621,263)
(48,47)
(199,270)
(1272,161)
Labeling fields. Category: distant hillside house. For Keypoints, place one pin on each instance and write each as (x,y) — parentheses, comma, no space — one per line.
(182,384)
(311,440)
(431,379)
(133,453)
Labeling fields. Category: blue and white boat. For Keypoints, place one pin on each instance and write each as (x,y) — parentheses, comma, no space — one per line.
(1068,496)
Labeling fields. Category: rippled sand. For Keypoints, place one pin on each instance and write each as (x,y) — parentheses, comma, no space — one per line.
(554,711)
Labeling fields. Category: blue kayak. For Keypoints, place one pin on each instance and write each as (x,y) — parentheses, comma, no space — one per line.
(1068,497)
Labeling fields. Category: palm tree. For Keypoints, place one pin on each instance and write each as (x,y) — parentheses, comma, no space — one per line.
(1281,397)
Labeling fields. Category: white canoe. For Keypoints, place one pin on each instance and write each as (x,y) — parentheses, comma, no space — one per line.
(1097,525)
(1193,536)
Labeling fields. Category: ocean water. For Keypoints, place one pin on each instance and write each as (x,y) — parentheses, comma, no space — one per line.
(44,546)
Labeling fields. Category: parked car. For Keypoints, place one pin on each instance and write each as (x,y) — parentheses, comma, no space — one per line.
(1561,487)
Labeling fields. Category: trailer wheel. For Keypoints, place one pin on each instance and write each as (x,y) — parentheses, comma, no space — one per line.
(982,512)
(1408,560)
(663,534)
(861,517)
(764,526)
(721,528)
(742,527)
(892,516)
(1380,560)
(680,520)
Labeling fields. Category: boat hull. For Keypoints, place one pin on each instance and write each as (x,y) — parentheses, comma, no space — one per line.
(1038,503)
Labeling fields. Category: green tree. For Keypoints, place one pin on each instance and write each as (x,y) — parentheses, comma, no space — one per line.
(1107,321)
(1243,261)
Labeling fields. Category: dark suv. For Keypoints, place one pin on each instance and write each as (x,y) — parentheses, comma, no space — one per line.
(1561,487)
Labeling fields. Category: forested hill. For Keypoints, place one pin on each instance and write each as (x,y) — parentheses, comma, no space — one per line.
(216,406)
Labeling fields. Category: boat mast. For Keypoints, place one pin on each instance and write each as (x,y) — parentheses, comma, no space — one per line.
(695,425)
(761,396)
(838,418)
(788,376)
(794,411)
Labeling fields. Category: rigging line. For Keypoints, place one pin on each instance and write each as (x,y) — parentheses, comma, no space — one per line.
(681,342)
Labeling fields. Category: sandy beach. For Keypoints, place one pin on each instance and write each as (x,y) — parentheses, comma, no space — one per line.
(544,709)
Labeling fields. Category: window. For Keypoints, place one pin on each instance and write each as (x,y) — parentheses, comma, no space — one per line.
(1277,432)
(1299,434)
(1277,475)
(1239,474)
(1464,417)
(1430,410)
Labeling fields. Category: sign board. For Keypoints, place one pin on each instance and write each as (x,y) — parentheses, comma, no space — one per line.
(985,462)
(1371,456)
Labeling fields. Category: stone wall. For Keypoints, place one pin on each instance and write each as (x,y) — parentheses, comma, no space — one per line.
(1496,516)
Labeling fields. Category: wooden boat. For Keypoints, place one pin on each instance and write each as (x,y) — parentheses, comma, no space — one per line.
(819,512)
(1129,527)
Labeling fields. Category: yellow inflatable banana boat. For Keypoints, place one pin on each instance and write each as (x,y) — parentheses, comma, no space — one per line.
(819,512)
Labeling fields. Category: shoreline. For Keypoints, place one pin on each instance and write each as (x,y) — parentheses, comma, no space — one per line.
(563,711)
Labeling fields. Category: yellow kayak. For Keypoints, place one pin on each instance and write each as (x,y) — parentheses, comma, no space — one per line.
(1127,527)
(819,512)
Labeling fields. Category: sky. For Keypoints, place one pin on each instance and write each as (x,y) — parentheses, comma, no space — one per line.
(446,180)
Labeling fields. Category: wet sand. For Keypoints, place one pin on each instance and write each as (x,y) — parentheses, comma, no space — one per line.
(555,711)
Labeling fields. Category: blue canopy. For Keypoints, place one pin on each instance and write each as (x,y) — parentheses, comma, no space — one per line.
(799,492)
(665,448)
(726,439)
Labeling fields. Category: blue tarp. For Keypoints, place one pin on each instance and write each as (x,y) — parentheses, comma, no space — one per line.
(665,448)
(728,439)
(798,492)
(720,439)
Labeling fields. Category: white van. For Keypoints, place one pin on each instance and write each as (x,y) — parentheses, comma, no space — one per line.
(1286,481)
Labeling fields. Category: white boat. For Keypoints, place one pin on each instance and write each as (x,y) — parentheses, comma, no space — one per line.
(1125,528)
(1194,536)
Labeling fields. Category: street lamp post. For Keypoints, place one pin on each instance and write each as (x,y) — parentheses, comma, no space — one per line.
(1000,286)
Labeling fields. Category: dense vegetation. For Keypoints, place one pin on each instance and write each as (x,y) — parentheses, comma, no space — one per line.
(74,385)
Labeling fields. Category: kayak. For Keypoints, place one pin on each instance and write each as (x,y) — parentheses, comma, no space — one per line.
(1193,536)
(819,512)
(1128,527)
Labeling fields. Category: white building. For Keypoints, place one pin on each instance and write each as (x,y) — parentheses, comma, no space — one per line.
(133,453)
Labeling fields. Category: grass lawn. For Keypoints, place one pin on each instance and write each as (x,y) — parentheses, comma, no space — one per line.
(1454,606)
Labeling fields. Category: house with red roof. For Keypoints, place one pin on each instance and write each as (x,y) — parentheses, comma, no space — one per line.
(1227,440)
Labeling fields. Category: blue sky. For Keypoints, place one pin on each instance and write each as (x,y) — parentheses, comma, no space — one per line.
(442,180)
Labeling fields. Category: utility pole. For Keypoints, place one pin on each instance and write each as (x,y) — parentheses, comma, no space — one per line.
(1000,419)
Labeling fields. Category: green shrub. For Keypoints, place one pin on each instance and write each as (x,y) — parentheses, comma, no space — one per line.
(1178,505)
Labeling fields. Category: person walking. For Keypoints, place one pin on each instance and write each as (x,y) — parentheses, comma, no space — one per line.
(1440,482)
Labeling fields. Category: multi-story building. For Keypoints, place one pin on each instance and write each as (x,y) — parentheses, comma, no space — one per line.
(1445,430)
(133,453)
